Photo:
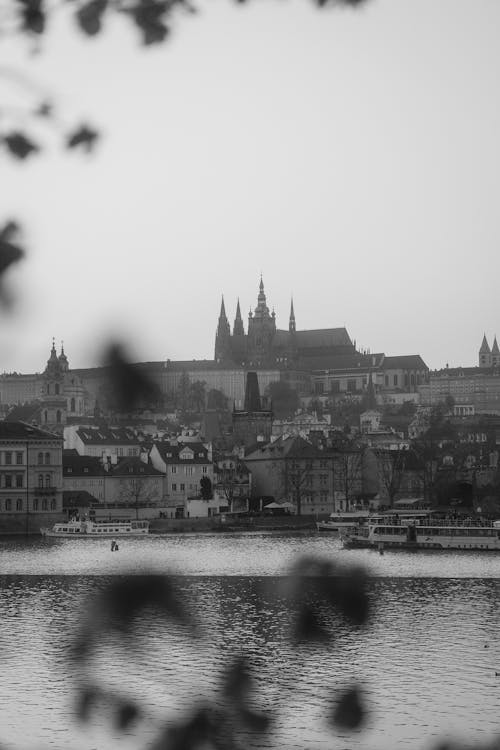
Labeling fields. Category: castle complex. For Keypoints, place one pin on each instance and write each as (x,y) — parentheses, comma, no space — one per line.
(265,345)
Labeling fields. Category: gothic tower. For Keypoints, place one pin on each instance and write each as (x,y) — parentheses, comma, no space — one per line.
(53,399)
(261,331)
(484,354)
(223,336)
(495,353)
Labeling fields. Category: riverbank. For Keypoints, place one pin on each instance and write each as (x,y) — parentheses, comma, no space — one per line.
(216,524)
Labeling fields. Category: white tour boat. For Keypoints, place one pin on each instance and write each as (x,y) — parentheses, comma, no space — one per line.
(343,520)
(428,533)
(85,529)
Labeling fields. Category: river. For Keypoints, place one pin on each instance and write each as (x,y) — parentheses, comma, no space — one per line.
(429,662)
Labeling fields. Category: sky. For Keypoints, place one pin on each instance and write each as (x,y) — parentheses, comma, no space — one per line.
(351,157)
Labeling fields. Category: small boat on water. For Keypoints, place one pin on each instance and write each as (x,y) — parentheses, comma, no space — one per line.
(424,534)
(343,520)
(85,529)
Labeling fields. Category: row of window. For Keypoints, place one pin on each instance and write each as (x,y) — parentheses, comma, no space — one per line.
(44,458)
(189,470)
(182,487)
(11,480)
(9,457)
(47,482)
(19,504)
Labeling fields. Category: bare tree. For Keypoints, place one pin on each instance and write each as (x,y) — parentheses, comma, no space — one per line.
(295,479)
(347,473)
(137,492)
(392,465)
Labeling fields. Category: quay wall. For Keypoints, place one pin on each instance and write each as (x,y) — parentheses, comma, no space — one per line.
(20,523)
(258,523)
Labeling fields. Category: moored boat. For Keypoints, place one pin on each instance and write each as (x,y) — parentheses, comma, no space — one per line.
(343,520)
(428,533)
(85,529)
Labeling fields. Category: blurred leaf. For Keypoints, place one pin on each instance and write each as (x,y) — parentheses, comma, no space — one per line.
(148,17)
(32,16)
(237,680)
(307,625)
(84,136)
(87,696)
(126,715)
(9,252)
(89,16)
(197,733)
(126,597)
(19,145)
(44,110)
(349,712)
(130,385)
(258,722)
(349,592)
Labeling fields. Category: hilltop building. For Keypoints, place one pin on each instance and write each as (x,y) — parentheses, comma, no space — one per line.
(489,357)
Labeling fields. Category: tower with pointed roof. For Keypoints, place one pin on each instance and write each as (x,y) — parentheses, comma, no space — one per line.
(495,353)
(261,332)
(485,354)
(223,336)
(53,416)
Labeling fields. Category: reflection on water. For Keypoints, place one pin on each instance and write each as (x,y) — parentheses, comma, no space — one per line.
(427,661)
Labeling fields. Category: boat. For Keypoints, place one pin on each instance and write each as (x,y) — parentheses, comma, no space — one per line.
(424,534)
(85,529)
(343,520)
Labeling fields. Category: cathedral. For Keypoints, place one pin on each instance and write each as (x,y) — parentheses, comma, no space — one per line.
(265,345)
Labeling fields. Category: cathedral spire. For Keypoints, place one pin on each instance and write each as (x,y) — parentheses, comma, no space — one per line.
(238,329)
(223,335)
(494,348)
(485,349)
(291,322)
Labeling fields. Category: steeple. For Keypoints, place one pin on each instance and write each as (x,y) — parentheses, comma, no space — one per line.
(238,329)
(252,394)
(494,348)
(485,354)
(63,360)
(291,322)
(485,349)
(223,336)
(262,310)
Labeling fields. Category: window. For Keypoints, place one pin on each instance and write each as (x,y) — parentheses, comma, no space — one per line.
(72,404)
(56,389)
(44,503)
(40,458)
(19,504)
(40,480)
(8,504)
(204,469)
(47,458)
(58,416)
(182,487)
(8,480)
(35,504)
(69,470)
(47,480)
(351,385)
(53,504)
(19,480)
(174,469)
(8,457)
(386,380)
(174,488)
(19,458)
(395,380)
(188,471)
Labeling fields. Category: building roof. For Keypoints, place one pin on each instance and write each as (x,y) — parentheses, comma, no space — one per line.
(289,447)
(76,465)
(348,362)
(485,349)
(133,466)
(23,431)
(170,453)
(25,413)
(404,362)
(494,348)
(107,436)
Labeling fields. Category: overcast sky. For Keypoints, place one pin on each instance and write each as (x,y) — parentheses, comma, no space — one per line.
(351,157)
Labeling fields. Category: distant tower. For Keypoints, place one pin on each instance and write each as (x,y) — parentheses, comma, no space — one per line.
(484,354)
(253,423)
(261,331)
(223,336)
(238,329)
(291,322)
(53,400)
(495,353)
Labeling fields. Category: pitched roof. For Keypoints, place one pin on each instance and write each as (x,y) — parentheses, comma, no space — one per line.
(23,431)
(485,349)
(494,348)
(76,465)
(170,453)
(404,362)
(289,447)
(134,466)
(107,436)
(358,362)
(25,413)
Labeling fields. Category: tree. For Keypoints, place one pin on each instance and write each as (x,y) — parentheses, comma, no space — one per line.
(197,395)
(216,400)
(232,477)
(206,488)
(284,399)
(347,473)
(137,492)
(392,465)
(295,479)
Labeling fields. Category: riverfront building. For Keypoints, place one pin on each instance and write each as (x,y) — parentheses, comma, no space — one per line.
(31,485)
